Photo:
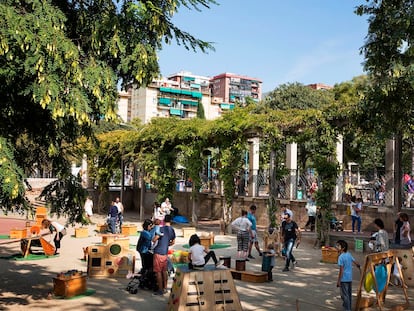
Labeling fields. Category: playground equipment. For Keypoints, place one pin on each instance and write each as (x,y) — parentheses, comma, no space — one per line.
(204,290)
(376,276)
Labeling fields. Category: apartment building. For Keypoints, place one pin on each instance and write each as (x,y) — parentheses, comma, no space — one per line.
(181,95)
(229,88)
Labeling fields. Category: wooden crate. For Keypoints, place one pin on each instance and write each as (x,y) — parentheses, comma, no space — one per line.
(188,232)
(249,276)
(101,228)
(129,229)
(81,232)
(39,219)
(41,210)
(329,254)
(18,233)
(209,290)
(69,286)
(207,240)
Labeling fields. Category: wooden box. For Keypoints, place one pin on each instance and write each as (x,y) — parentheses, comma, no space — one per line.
(129,229)
(41,210)
(254,277)
(18,233)
(69,286)
(329,254)
(81,232)
(188,232)
(101,228)
(39,219)
(207,240)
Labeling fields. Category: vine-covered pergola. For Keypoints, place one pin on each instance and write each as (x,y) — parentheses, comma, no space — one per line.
(156,148)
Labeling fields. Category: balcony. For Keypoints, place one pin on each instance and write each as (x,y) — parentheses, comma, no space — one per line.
(176,112)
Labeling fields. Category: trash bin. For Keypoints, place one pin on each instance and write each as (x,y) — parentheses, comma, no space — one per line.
(266,262)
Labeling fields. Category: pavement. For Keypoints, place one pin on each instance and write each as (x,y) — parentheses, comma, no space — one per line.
(310,286)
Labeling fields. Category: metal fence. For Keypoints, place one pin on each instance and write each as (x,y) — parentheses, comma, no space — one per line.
(371,186)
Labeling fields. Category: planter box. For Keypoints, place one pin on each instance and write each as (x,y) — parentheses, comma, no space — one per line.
(129,229)
(81,232)
(330,254)
(18,233)
(69,286)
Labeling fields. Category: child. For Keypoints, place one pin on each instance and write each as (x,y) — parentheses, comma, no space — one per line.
(272,254)
(396,274)
(56,227)
(345,261)
(197,252)
(156,231)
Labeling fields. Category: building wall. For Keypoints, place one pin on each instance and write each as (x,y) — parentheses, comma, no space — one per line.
(124,106)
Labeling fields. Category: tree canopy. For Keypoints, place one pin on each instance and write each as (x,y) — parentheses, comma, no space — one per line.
(61,63)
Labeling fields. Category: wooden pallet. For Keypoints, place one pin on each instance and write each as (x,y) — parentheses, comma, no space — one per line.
(203,290)
(249,276)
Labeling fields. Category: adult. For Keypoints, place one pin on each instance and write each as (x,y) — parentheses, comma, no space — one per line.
(290,235)
(356,209)
(57,229)
(311,210)
(397,228)
(313,187)
(410,191)
(112,217)
(382,242)
(161,255)
(166,207)
(243,226)
(120,207)
(284,211)
(405,231)
(158,213)
(347,190)
(144,245)
(88,208)
(251,215)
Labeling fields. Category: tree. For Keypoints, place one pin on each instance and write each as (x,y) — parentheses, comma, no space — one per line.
(61,61)
(297,96)
(389,56)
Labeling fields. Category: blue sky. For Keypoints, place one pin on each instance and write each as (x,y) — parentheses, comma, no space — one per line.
(277,41)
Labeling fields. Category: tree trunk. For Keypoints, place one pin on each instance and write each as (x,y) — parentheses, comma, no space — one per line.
(272,207)
(194,218)
(398,174)
(227,212)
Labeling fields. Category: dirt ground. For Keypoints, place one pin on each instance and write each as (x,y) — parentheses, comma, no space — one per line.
(310,286)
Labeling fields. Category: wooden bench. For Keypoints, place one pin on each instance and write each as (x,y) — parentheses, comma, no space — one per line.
(249,276)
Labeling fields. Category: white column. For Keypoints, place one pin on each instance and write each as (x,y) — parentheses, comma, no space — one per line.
(254,149)
(340,158)
(292,166)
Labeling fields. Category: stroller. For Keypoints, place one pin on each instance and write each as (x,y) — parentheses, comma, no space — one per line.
(335,224)
(146,279)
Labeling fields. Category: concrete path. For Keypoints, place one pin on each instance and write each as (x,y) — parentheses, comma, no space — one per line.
(310,286)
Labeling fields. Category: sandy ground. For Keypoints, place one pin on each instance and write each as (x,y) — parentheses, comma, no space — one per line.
(310,286)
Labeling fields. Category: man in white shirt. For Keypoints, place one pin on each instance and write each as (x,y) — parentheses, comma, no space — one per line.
(166,207)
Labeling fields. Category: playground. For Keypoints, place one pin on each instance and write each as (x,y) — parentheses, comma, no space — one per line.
(28,283)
